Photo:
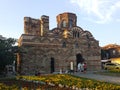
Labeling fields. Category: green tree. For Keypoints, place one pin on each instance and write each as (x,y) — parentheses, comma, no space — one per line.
(7,52)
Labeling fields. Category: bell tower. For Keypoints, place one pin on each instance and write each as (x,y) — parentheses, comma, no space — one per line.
(66,20)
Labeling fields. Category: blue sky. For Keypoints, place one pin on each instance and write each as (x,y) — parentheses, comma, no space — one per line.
(100,17)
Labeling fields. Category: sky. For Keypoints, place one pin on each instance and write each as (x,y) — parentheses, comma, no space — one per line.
(100,17)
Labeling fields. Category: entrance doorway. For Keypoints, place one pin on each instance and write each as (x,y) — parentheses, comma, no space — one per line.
(52,66)
(79,58)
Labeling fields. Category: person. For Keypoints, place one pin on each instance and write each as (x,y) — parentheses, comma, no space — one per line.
(82,67)
(85,67)
(79,66)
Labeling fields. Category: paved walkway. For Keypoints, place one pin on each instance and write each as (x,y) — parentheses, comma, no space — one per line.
(91,75)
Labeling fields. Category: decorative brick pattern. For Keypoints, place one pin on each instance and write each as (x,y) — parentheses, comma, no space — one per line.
(49,51)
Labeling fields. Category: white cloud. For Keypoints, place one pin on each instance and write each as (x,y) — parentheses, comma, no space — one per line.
(102,9)
(118,20)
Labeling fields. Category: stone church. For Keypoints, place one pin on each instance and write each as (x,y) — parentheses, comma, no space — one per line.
(62,48)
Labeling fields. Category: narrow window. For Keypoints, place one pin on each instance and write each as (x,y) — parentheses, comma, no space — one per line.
(70,23)
(76,45)
(64,23)
(64,45)
(78,34)
(73,34)
(87,36)
(89,45)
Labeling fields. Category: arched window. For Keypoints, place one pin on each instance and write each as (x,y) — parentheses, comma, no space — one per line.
(64,23)
(73,33)
(89,45)
(76,45)
(87,36)
(64,44)
(78,35)
(70,23)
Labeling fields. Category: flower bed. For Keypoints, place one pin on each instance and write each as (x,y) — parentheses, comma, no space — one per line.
(6,87)
(69,81)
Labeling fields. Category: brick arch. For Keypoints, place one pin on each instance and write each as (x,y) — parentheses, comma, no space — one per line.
(87,34)
(36,39)
(51,53)
(39,51)
(76,32)
(56,41)
(45,40)
(78,29)
(64,40)
(56,31)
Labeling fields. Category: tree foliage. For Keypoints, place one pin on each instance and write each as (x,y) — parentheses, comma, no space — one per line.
(7,52)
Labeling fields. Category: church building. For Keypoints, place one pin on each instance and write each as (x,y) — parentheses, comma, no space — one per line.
(62,48)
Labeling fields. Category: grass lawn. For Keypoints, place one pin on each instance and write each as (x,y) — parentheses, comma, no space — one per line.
(108,73)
